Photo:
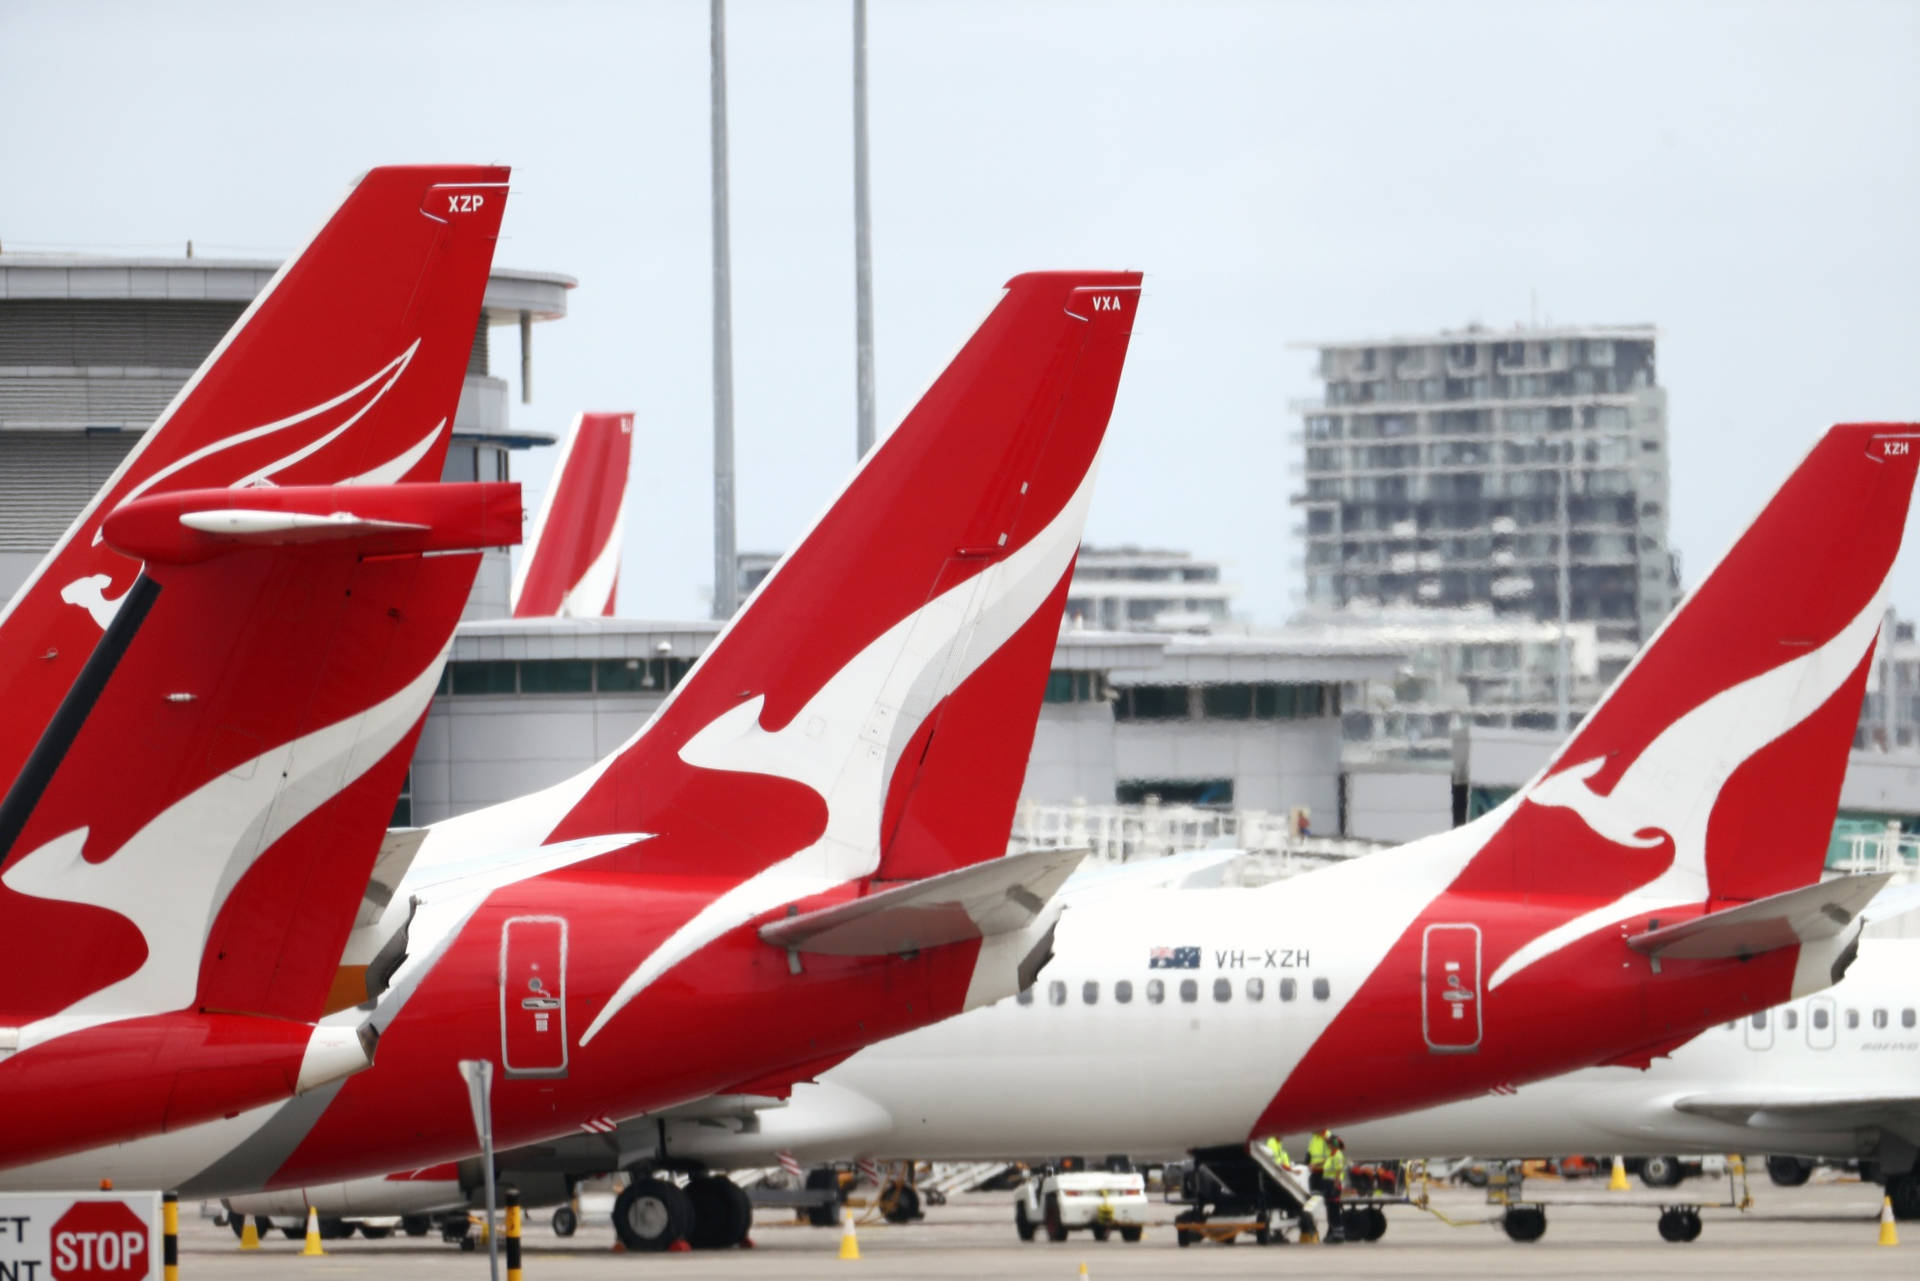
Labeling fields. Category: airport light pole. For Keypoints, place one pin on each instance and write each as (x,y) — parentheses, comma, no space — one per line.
(862,242)
(725,575)
(1564,711)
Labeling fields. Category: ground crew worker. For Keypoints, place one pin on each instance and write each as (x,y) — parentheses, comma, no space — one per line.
(1277,1148)
(1333,1177)
(1317,1148)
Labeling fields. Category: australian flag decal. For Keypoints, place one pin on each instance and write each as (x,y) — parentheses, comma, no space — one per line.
(1174,958)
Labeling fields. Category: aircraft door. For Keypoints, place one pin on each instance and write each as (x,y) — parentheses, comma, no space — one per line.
(1450,988)
(533,996)
(1822,1018)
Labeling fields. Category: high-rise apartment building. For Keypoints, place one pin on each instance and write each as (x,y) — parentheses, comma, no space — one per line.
(1477,467)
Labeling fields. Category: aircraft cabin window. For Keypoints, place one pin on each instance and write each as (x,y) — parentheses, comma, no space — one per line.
(1223,989)
(1090,991)
(1189,991)
(1025,997)
(1123,991)
(1820,1019)
(1759,1020)
(1156,991)
(1056,993)
(1879,1018)
(1853,1019)
(1321,989)
(1288,989)
(1256,989)
(1789,1019)
(1906,1018)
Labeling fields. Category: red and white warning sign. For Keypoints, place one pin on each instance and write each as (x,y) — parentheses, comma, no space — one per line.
(80,1236)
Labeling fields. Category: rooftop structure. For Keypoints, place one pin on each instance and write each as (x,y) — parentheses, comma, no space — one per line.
(1498,469)
(1147,589)
(94,347)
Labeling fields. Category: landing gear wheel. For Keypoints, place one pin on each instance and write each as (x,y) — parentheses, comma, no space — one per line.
(1184,1234)
(1525,1223)
(261,1225)
(293,1234)
(1021,1223)
(650,1215)
(1100,1231)
(824,1179)
(722,1213)
(904,1204)
(1789,1171)
(1130,1235)
(416,1225)
(1373,1223)
(1693,1225)
(565,1221)
(372,1233)
(335,1229)
(1056,1226)
(1904,1191)
(1661,1172)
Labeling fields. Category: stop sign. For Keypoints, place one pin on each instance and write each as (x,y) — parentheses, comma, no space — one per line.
(99,1241)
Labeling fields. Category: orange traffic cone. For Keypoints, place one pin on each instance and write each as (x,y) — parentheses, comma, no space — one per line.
(1617,1182)
(849,1243)
(313,1233)
(1888,1236)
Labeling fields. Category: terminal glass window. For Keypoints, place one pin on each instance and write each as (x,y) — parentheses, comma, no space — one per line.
(1123,991)
(1321,989)
(1256,989)
(1189,991)
(1090,991)
(1223,989)
(1152,703)
(1288,989)
(1156,991)
(557,676)
(484,678)
(1228,702)
(1056,993)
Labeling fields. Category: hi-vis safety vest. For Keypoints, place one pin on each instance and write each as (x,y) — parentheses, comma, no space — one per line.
(1316,1151)
(1335,1170)
(1279,1150)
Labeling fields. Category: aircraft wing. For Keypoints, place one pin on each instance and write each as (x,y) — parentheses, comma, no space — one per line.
(1806,915)
(996,897)
(1811,1110)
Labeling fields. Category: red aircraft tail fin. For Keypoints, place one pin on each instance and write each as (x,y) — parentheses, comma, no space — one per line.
(1712,769)
(346,369)
(570,567)
(874,700)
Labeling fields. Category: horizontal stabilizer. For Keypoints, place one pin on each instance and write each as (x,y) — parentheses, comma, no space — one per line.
(1810,1109)
(389,869)
(995,897)
(1806,915)
(186,527)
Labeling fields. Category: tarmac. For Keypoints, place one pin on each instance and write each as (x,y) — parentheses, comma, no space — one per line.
(1797,1232)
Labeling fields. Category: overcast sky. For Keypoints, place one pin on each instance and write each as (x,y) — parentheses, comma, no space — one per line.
(1746,176)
